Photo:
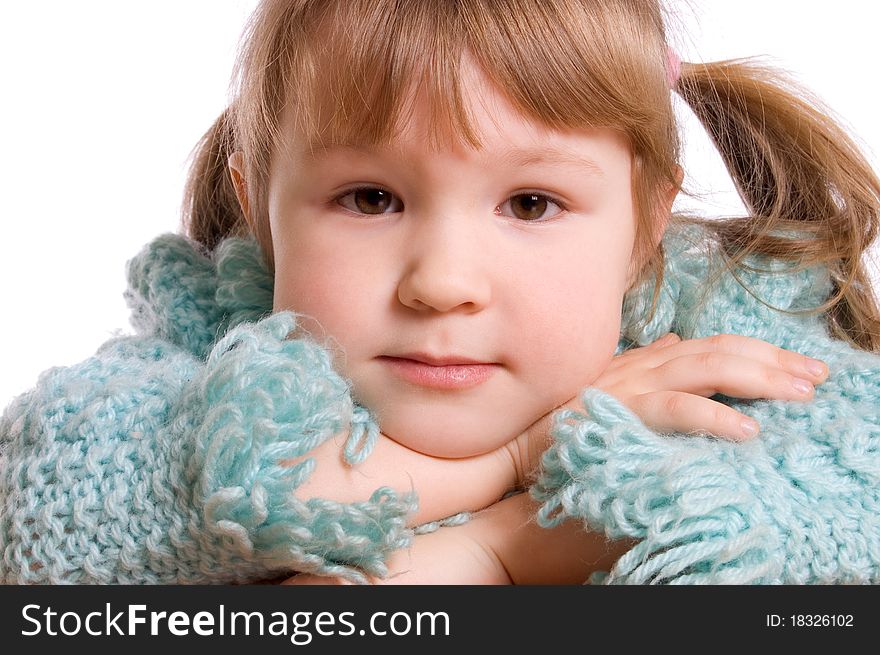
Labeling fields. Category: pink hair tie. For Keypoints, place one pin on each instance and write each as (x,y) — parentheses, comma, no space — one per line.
(673,67)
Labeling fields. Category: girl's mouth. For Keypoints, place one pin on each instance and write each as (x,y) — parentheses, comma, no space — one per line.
(456,376)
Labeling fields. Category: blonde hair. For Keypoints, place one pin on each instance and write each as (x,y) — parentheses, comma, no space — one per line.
(344,70)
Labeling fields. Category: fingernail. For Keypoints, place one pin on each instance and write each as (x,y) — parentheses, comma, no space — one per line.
(816,367)
(749,427)
(802,386)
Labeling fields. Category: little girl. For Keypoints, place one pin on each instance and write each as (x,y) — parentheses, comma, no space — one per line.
(422,228)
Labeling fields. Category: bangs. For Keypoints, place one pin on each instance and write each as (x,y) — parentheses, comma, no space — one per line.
(359,66)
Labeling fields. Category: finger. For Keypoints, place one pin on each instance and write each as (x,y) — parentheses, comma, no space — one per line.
(671,411)
(708,373)
(641,351)
(792,362)
(666,340)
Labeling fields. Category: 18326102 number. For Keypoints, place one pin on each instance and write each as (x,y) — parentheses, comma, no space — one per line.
(821,620)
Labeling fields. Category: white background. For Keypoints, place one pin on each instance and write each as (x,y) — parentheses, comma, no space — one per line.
(102,101)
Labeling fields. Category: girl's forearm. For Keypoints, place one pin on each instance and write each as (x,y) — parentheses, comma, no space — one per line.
(530,554)
(444,486)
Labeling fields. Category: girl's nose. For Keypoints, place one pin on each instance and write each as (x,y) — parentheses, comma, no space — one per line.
(447,266)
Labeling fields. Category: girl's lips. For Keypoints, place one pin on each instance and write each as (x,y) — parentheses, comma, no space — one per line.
(460,376)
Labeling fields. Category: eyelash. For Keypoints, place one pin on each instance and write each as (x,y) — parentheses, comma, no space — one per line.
(549,198)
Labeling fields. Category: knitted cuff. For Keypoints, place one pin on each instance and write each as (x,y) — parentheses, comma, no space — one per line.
(696,519)
(263,400)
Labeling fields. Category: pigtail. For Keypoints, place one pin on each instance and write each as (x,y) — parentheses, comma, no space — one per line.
(210,210)
(812,196)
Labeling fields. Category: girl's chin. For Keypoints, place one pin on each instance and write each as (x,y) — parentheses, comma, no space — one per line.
(445,440)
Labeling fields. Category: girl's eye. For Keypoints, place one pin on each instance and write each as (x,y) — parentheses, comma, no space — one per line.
(529,207)
(370,200)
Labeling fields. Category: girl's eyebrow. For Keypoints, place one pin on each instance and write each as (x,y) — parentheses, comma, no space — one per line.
(314,153)
(529,157)
(513,157)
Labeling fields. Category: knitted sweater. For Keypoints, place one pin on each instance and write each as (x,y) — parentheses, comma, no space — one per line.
(156,460)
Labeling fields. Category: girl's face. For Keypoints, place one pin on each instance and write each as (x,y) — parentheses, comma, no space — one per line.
(515,255)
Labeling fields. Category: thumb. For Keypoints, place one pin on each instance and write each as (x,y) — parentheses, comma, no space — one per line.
(528,448)
(525,450)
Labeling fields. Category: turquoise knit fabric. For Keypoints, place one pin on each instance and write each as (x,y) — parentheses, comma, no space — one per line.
(799,504)
(156,460)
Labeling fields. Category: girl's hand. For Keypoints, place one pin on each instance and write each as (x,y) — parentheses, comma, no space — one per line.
(444,486)
(668,384)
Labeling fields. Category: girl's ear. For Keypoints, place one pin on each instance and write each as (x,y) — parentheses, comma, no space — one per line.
(661,221)
(664,211)
(236,172)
